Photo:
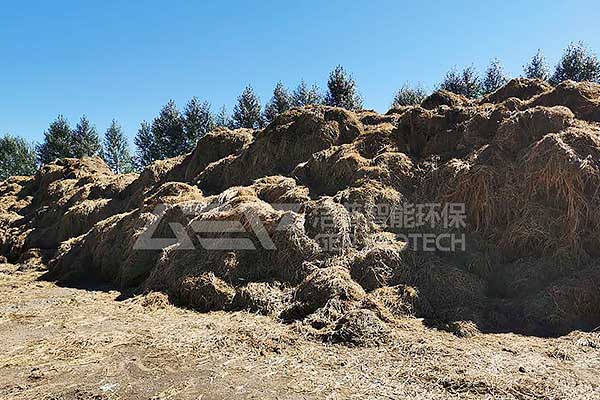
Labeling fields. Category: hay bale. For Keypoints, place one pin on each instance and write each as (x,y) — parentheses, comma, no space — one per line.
(114,188)
(171,193)
(419,126)
(370,117)
(570,303)
(80,218)
(401,301)
(151,177)
(478,130)
(519,278)
(282,258)
(534,230)
(449,288)
(213,178)
(33,259)
(583,98)
(520,88)
(563,171)
(473,182)
(288,141)
(375,141)
(108,251)
(213,146)
(281,191)
(331,170)
(394,169)
(259,297)
(372,200)
(360,328)
(336,229)
(203,293)
(529,126)
(70,170)
(444,98)
(324,318)
(379,266)
(324,285)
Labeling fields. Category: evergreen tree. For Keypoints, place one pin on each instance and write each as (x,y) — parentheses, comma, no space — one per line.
(342,90)
(304,96)
(577,64)
(116,150)
(537,67)
(198,120)
(17,157)
(280,103)
(465,83)
(58,142)
(168,132)
(246,113)
(495,77)
(409,96)
(223,119)
(85,139)
(146,149)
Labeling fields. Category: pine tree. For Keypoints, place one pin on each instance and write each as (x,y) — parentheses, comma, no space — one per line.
(577,64)
(342,90)
(246,113)
(280,103)
(146,149)
(409,96)
(304,96)
(198,120)
(168,133)
(58,142)
(537,67)
(17,157)
(86,142)
(465,83)
(116,150)
(223,119)
(495,77)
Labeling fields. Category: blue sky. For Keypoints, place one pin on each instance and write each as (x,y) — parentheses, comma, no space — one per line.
(124,60)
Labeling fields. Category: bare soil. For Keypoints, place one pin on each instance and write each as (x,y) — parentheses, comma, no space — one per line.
(85,343)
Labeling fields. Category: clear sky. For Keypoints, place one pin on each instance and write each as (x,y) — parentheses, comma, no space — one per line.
(125,59)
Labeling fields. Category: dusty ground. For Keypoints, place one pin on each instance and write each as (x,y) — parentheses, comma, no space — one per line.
(68,343)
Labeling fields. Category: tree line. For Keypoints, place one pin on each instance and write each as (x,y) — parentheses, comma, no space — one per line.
(577,63)
(174,132)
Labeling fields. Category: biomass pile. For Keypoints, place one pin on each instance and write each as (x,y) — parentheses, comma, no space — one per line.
(524,160)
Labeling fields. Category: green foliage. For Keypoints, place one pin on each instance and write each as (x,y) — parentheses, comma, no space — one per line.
(198,120)
(342,90)
(168,132)
(116,150)
(466,82)
(537,67)
(223,119)
(246,113)
(58,142)
(578,64)
(85,139)
(304,96)
(17,157)
(280,103)
(146,150)
(495,77)
(409,96)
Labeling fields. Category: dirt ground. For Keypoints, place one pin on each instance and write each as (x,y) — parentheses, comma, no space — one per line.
(69,343)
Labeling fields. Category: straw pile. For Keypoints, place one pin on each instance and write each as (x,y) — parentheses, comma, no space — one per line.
(296,221)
